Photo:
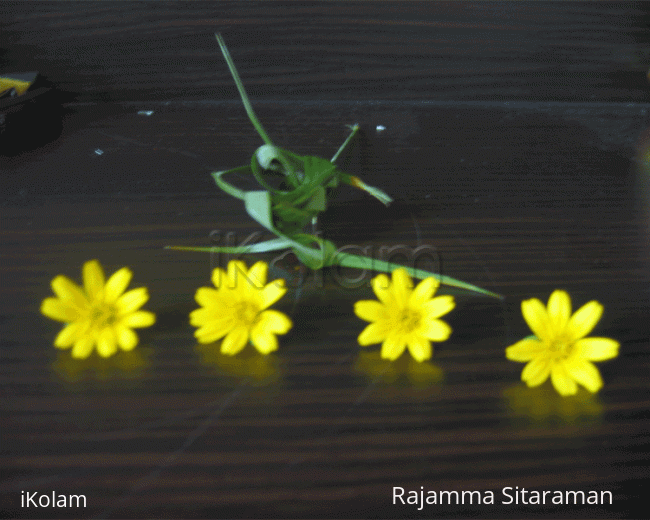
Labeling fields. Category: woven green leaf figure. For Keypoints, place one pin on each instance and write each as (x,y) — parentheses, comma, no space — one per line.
(286,213)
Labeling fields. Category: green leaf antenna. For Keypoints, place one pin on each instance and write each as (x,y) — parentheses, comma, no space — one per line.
(286,213)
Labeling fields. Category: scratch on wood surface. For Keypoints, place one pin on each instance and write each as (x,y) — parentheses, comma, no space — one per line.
(168,461)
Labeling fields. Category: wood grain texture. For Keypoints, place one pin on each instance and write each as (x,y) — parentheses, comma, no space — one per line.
(569,51)
(520,195)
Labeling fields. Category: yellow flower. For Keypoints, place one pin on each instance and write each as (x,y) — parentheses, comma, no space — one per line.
(559,347)
(403,316)
(236,309)
(97,314)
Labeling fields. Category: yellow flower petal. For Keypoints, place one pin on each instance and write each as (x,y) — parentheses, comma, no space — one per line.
(423,292)
(219,277)
(586,374)
(106,343)
(235,341)
(393,346)
(373,333)
(435,330)
(207,297)
(265,342)
(536,371)
(402,286)
(536,317)
(117,284)
(201,316)
(561,380)
(381,286)
(83,347)
(559,309)
(438,306)
(525,350)
(210,335)
(93,276)
(370,310)
(132,300)
(273,321)
(69,334)
(225,322)
(126,338)
(210,320)
(59,310)
(597,349)
(139,319)
(419,347)
(584,320)
(257,274)
(271,293)
(69,291)
(237,274)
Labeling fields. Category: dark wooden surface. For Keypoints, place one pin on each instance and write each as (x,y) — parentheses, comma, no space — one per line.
(516,145)
(577,51)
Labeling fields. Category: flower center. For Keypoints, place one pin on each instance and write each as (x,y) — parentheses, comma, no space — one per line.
(560,347)
(103,315)
(408,320)
(246,313)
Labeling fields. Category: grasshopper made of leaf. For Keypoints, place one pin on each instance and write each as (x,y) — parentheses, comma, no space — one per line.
(287,213)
